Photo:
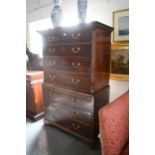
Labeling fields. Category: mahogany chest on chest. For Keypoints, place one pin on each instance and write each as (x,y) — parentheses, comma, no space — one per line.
(76,64)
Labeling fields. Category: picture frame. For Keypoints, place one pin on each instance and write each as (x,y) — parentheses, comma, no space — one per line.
(121,25)
(119,62)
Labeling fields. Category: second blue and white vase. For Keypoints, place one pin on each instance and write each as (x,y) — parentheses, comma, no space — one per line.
(56,13)
(82,10)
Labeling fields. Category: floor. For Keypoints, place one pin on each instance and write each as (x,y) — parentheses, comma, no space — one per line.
(46,140)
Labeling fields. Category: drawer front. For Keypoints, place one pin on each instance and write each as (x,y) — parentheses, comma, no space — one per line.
(68,80)
(61,111)
(60,115)
(72,64)
(77,127)
(62,36)
(69,98)
(67,50)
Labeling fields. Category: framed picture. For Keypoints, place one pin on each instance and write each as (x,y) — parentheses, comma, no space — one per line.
(121,25)
(120,62)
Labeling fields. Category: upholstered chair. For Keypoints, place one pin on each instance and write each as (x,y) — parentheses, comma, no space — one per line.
(114,126)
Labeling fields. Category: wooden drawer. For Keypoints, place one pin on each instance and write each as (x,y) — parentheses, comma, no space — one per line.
(65,35)
(71,64)
(68,80)
(60,115)
(68,50)
(60,111)
(67,97)
(77,127)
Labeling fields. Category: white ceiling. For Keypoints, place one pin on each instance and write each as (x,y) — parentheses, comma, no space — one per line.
(36,4)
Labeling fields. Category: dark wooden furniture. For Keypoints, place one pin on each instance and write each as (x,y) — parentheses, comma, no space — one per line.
(76,64)
(34,96)
(34,62)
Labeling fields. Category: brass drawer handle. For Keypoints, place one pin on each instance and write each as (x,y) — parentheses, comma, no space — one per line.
(52,38)
(52,94)
(51,50)
(75,114)
(51,63)
(75,50)
(75,100)
(76,65)
(52,77)
(64,34)
(75,81)
(76,36)
(76,127)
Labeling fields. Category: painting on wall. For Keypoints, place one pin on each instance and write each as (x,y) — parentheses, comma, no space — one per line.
(120,63)
(121,25)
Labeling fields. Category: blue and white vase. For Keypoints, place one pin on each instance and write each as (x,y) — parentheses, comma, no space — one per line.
(56,13)
(57,2)
(82,10)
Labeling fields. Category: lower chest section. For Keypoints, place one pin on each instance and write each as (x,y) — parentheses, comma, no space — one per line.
(70,110)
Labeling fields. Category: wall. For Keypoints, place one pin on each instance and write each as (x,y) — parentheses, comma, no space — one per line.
(99,10)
